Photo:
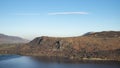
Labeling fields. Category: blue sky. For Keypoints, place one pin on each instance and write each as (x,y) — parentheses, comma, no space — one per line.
(33,18)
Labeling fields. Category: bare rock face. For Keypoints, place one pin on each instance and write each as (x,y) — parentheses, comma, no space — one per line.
(36,41)
(47,42)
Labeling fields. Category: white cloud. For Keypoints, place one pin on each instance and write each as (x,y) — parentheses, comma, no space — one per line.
(27,14)
(68,13)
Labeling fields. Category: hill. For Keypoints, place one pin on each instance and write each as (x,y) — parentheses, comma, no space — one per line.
(5,39)
(101,45)
(92,46)
(104,34)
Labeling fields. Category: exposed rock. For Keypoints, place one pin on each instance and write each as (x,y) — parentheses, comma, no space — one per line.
(58,44)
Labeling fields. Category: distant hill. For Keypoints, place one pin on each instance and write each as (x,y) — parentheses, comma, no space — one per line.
(5,39)
(104,34)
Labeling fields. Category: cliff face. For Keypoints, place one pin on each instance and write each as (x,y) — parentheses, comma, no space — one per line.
(93,45)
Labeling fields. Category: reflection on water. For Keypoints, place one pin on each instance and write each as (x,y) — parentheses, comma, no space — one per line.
(15,61)
(6,57)
(70,61)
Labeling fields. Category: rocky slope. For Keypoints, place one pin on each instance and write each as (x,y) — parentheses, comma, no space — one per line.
(92,46)
(104,45)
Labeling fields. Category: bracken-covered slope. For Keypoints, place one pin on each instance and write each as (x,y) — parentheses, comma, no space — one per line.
(105,45)
(91,46)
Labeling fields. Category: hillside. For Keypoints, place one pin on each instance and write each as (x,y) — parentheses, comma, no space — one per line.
(103,45)
(91,46)
(104,34)
(5,39)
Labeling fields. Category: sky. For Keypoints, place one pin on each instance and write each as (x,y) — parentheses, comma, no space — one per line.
(59,18)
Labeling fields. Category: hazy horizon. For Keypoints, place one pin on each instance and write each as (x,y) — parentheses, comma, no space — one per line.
(32,18)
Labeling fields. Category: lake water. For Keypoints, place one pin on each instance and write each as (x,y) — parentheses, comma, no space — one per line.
(16,61)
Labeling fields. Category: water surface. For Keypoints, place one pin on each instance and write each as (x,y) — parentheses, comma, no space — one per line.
(16,61)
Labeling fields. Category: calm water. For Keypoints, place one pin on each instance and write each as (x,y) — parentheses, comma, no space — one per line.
(15,61)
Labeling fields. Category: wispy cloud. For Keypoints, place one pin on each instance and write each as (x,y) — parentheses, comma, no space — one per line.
(52,13)
(27,14)
(68,13)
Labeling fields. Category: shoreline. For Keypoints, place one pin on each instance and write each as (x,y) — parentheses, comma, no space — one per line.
(74,58)
(71,58)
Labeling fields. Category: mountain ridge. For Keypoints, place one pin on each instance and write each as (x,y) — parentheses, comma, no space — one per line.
(7,39)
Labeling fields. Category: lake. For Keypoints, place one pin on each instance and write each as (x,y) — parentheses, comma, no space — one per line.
(16,61)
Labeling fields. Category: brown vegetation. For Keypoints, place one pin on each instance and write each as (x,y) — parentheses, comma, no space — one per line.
(104,45)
